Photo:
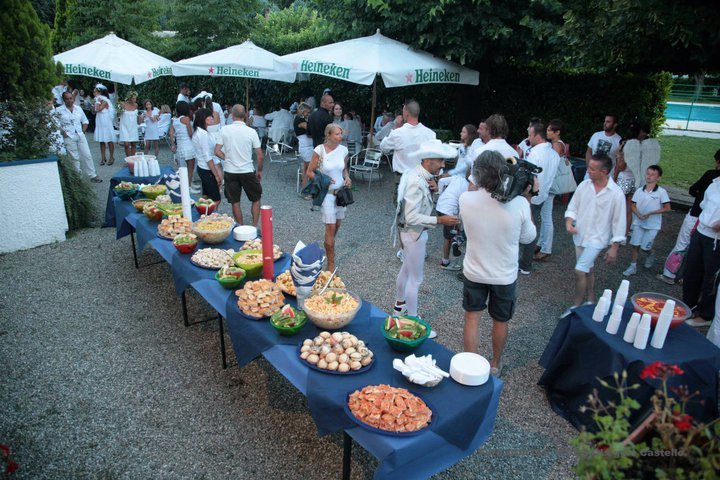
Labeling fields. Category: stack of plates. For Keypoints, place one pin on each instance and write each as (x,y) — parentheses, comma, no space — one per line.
(469,369)
(243,233)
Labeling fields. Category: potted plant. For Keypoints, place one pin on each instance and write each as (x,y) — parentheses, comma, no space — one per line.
(669,443)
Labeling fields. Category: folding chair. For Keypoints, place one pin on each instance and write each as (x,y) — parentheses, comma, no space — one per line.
(280,153)
(366,162)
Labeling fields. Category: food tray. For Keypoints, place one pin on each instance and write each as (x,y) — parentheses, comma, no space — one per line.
(202,266)
(370,428)
(333,372)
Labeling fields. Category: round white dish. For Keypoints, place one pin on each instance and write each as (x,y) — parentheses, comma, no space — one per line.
(469,369)
(243,233)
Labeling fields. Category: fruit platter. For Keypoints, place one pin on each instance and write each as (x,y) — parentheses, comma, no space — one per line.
(338,352)
(185,242)
(390,410)
(257,245)
(125,190)
(174,225)
(230,277)
(259,299)
(212,258)
(405,333)
(205,206)
(153,213)
(288,320)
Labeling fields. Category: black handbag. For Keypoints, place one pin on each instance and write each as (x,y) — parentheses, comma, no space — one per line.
(344,197)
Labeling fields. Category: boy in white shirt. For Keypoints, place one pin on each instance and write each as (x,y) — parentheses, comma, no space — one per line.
(648,205)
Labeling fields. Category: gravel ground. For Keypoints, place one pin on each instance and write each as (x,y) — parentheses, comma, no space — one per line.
(101,379)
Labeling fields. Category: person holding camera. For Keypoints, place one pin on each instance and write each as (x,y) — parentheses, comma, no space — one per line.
(491,258)
(414,217)
(595,217)
(540,153)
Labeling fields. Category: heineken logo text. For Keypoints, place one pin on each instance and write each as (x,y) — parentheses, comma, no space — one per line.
(329,69)
(71,69)
(159,71)
(432,76)
(236,72)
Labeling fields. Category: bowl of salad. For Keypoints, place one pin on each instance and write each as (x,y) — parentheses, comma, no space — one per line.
(288,320)
(153,191)
(126,190)
(205,206)
(185,242)
(230,277)
(251,261)
(405,333)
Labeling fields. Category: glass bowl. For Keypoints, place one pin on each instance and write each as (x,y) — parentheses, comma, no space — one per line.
(213,230)
(682,311)
(328,317)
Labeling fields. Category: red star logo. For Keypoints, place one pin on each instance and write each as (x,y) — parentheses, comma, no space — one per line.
(149,74)
(295,65)
(409,78)
(211,70)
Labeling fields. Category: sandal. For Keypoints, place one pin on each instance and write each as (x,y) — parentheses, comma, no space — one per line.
(112,160)
(102,162)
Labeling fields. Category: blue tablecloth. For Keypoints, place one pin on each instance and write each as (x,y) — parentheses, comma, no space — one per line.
(581,351)
(124,175)
(464,416)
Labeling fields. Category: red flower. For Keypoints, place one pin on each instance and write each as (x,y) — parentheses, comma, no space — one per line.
(5,449)
(683,423)
(659,369)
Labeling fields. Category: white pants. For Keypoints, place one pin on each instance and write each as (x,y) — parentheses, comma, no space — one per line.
(683,239)
(546,225)
(410,276)
(78,149)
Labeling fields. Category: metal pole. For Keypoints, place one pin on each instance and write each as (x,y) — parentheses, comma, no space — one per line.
(222,342)
(183,301)
(372,112)
(347,455)
(132,239)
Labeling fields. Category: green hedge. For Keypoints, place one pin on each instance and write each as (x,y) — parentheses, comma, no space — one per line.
(579,100)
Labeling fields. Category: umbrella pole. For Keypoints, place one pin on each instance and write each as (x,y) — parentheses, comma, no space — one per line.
(372,112)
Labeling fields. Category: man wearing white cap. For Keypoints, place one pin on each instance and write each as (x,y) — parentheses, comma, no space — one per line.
(73,124)
(414,217)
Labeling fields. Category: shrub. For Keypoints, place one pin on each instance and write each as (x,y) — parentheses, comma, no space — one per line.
(79,196)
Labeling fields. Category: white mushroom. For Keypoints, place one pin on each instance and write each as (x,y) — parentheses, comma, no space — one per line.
(322,363)
(304,355)
(366,361)
(325,334)
(318,341)
(305,348)
(350,350)
(333,366)
(308,342)
(331,357)
(313,358)
(343,358)
(337,336)
(343,367)
(347,343)
(355,365)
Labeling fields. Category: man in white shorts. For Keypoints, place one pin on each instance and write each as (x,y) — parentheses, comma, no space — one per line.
(595,218)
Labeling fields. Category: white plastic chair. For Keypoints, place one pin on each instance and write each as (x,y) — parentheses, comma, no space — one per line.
(367,162)
(280,153)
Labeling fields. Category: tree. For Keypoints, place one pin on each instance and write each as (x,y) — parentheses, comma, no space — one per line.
(208,25)
(28,71)
(641,35)
(45,10)
(290,30)
(88,20)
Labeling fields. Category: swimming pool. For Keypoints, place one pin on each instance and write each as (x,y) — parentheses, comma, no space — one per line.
(700,112)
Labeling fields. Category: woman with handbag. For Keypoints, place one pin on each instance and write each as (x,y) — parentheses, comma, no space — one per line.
(330,158)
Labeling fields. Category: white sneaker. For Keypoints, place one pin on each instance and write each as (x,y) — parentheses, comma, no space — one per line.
(400,309)
(400,255)
(567,312)
(631,270)
(433,334)
(650,260)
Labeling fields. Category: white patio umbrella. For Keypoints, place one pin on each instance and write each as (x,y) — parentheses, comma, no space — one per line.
(114,59)
(245,60)
(361,60)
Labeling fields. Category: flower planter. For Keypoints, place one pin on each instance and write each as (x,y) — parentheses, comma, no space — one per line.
(32,202)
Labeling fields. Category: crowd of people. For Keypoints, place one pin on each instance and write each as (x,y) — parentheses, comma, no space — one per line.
(619,202)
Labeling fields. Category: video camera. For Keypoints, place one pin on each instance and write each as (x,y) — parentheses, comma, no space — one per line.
(520,174)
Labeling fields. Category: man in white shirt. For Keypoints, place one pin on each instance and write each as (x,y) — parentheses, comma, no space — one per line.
(405,140)
(595,218)
(184,95)
(235,145)
(491,260)
(282,124)
(58,91)
(544,156)
(497,129)
(606,141)
(73,124)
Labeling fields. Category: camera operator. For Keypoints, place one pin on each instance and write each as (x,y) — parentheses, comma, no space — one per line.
(491,259)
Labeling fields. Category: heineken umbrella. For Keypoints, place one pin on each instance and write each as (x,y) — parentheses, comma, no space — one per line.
(246,60)
(360,60)
(114,59)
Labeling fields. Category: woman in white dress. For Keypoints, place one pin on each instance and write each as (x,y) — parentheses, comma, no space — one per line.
(104,130)
(330,158)
(129,121)
(180,135)
(151,116)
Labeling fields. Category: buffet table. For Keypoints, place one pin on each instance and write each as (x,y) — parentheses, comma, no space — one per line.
(463,417)
(581,351)
(124,175)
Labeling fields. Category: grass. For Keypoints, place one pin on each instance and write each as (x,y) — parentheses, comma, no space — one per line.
(685,159)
